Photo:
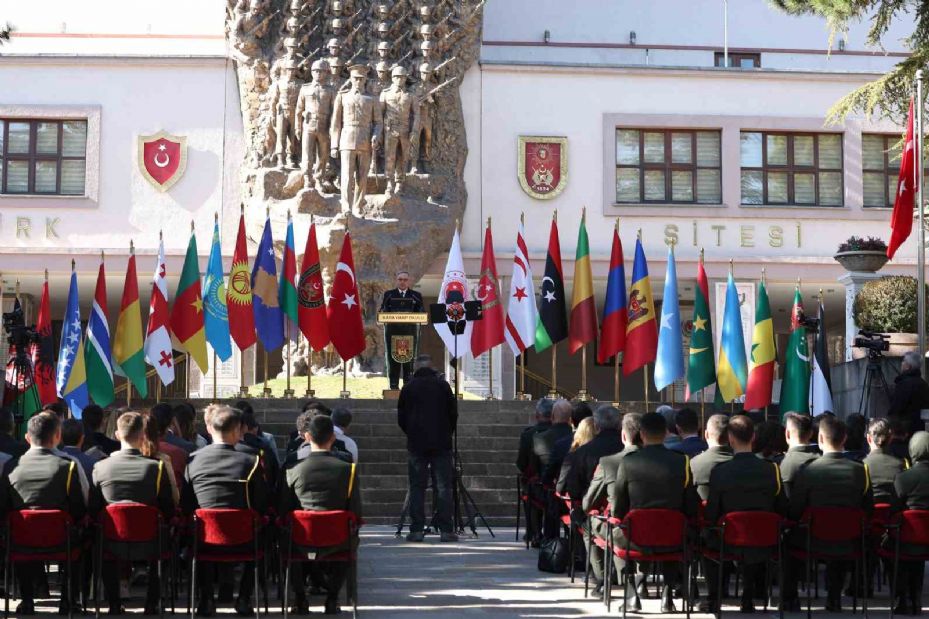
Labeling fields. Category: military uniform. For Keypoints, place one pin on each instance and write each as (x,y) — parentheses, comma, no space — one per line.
(702,466)
(912,491)
(796,458)
(392,300)
(575,477)
(314,107)
(270,469)
(356,121)
(397,104)
(883,467)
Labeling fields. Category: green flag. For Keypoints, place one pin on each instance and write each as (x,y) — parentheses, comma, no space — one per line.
(701,370)
(795,387)
(27,403)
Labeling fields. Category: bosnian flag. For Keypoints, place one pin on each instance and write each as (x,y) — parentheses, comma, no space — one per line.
(158,350)
(452,295)
(521,314)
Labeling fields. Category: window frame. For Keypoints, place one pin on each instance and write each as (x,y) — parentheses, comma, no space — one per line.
(755,57)
(32,157)
(889,172)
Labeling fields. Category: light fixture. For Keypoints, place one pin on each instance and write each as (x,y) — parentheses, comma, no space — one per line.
(632,37)
(547,36)
(841,45)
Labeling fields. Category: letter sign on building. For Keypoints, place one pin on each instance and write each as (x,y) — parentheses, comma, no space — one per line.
(543,165)
(162,159)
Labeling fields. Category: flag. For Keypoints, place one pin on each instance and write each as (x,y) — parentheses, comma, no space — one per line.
(99,365)
(521,313)
(269,320)
(287,291)
(641,330)
(553,321)
(732,369)
(669,366)
(128,358)
(795,385)
(216,316)
(187,316)
(312,302)
(488,332)
(43,352)
(72,374)
(452,293)
(763,358)
(701,362)
(239,294)
(613,328)
(821,381)
(901,220)
(582,327)
(344,314)
(158,351)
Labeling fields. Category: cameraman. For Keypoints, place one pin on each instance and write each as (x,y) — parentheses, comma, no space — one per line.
(911,394)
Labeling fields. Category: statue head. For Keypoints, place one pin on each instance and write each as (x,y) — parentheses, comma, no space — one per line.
(398,76)
(427,48)
(334,46)
(335,67)
(424,11)
(319,70)
(336,7)
(426,31)
(383,49)
(338,26)
(382,29)
(383,70)
(382,10)
(425,71)
(358,75)
(296,6)
(290,44)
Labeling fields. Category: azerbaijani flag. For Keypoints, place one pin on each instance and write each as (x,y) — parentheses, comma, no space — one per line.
(128,358)
(72,373)
(187,314)
(761,374)
(641,330)
(287,289)
(732,369)
(97,352)
(582,327)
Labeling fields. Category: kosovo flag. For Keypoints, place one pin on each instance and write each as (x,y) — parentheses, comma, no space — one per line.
(269,319)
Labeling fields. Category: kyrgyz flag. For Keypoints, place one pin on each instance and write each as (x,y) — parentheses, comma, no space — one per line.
(72,373)
(128,358)
(795,386)
(269,320)
(239,294)
(553,322)
(701,362)
(521,314)
(615,316)
(97,348)
(821,381)
(312,302)
(732,370)
(669,365)
(583,326)
(187,313)
(348,335)
(761,374)
(641,330)
(158,351)
(488,332)
(43,352)
(901,220)
(287,290)
(216,318)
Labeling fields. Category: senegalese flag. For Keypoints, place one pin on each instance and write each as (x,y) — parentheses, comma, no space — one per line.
(761,374)
(701,362)
(97,348)
(582,327)
(216,320)
(642,328)
(553,325)
(795,386)
(732,370)
(128,357)
(287,289)
(187,314)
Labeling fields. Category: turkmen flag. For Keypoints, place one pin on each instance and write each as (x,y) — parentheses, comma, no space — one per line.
(216,319)
(795,386)
(553,324)
(97,348)
(701,363)
(287,289)
(128,357)
(761,374)
(187,323)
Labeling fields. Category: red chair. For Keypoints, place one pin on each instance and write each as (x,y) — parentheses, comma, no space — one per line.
(226,536)
(833,525)
(41,536)
(908,527)
(309,533)
(741,531)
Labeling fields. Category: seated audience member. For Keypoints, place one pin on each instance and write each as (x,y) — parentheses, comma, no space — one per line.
(668,413)
(769,443)
(883,466)
(900,439)
(743,483)
(92,418)
(163,416)
(269,444)
(717,452)
(798,430)
(543,421)
(321,482)
(72,439)
(342,421)
(688,428)
(912,490)
(149,449)
(585,432)
(182,432)
(129,476)
(44,479)
(304,449)
(576,476)
(547,459)
(856,446)
(59,409)
(253,444)
(217,477)
(10,445)
(314,407)
(580,411)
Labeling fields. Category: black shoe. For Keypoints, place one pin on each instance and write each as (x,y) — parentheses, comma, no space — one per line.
(707,606)
(244,608)
(747,607)
(667,602)
(206,609)
(635,604)
(332,607)
(300,609)
(448,537)
(117,609)
(74,607)
(834,605)
(415,536)
(225,594)
(598,590)
(902,607)
(25,608)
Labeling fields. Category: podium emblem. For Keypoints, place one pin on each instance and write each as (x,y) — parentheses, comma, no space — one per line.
(401,348)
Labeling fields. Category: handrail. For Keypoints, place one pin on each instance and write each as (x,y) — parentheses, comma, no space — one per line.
(569,395)
(181,358)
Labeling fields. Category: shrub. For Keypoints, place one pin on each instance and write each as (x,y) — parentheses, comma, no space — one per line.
(856,243)
(887,305)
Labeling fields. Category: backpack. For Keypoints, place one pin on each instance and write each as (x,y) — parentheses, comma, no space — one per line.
(553,555)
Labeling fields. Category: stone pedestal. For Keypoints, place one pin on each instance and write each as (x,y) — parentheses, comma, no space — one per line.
(853,281)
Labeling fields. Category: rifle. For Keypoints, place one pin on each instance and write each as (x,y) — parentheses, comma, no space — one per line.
(442,65)
(401,38)
(405,57)
(351,35)
(444,21)
(262,22)
(354,56)
(449,81)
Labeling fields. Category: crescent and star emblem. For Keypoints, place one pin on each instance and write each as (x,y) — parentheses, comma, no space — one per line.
(805,359)
(550,294)
(167,159)
(344,267)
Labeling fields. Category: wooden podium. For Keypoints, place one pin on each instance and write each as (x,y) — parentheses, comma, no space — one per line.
(398,318)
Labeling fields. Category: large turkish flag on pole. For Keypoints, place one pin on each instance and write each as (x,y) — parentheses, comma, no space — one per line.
(346,328)
(901,221)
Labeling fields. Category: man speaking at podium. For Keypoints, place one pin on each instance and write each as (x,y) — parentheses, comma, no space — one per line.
(400,339)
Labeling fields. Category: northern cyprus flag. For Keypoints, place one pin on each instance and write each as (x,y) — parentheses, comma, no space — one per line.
(521,314)
(158,349)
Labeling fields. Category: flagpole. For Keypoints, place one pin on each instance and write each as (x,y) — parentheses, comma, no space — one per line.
(490,395)
(243,390)
(921,232)
(583,395)
(214,375)
(553,392)
(703,407)
(309,370)
(645,382)
(345,393)
(288,392)
(616,380)
(266,392)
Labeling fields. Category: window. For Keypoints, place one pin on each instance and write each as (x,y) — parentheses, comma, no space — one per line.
(880,157)
(43,157)
(667,166)
(740,60)
(795,169)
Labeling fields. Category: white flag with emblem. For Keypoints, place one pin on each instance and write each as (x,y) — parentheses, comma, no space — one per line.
(521,313)
(452,295)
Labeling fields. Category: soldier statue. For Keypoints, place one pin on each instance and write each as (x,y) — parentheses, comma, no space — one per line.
(397,104)
(314,106)
(375,88)
(283,106)
(355,129)
(424,106)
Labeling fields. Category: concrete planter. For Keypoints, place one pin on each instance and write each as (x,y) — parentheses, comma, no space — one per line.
(900,344)
(865,261)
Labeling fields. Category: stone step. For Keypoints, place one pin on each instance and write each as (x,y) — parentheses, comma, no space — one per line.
(400,482)
(481,496)
(377,430)
(468,457)
(372,469)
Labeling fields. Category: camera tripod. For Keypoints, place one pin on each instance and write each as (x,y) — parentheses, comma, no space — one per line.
(873,373)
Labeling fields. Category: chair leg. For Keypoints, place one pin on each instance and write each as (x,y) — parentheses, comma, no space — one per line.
(590,537)
(255,576)
(191,604)
(7,567)
(284,608)
(571,551)
(519,500)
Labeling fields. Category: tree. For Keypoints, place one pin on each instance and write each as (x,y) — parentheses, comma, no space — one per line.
(5,32)
(889,94)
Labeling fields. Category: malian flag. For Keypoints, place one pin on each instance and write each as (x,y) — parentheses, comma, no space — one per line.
(187,316)
(613,328)
(128,357)
(239,293)
(582,326)
(762,361)
(347,327)
(97,347)
(311,310)
(488,332)
(642,329)
(521,313)
(158,350)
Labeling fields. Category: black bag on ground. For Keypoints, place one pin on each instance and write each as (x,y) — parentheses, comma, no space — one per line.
(553,555)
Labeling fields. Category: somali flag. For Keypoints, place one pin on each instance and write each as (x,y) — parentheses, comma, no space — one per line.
(269,319)
(732,367)
(72,375)
(216,319)
(669,366)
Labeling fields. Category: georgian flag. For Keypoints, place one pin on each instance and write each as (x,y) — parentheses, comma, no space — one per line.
(158,350)
(521,314)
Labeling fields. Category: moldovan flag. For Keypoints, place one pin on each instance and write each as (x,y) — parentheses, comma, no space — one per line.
(821,381)
(187,313)
(269,320)
(901,220)
(641,331)
(452,293)
(72,374)
(583,325)
(701,362)
(488,332)
(43,353)
(761,374)
(348,335)
(216,316)
(613,328)
(521,314)
(239,294)
(732,369)
(553,322)
(97,351)
(286,290)
(312,302)
(795,386)
(128,358)
(158,351)
(669,366)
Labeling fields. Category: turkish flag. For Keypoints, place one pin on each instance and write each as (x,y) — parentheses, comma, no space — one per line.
(488,332)
(346,328)
(311,304)
(901,221)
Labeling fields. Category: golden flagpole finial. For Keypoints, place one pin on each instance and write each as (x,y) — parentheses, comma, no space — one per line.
(131,247)
(488,222)
(215,217)
(616,225)
(46,276)
(191,226)
(583,213)
(288,214)
(638,234)
(764,275)
(242,208)
(17,288)
(160,235)
(701,255)
(101,256)
(522,218)
(555,215)
(72,264)
(798,282)
(730,266)
(267,211)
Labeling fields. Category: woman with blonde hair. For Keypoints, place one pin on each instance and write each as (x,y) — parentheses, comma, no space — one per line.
(586,431)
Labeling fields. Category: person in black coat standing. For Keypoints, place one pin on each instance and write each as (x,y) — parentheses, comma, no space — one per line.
(911,394)
(427,412)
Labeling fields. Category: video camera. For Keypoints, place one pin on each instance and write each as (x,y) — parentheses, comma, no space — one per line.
(874,343)
(20,336)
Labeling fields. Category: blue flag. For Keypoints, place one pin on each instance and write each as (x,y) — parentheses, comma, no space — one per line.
(72,373)
(669,366)
(732,367)
(216,319)
(269,319)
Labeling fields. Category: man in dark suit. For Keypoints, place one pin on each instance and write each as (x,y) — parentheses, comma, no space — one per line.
(912,490)
(911,394)
(43,480)
(252,444)
(72,441)
(717,452)
(546,459)
(321,482)
(402,298)
(575,477)
(654,477)
(525,464)
(92,418)
(218,477)
(128,476)
(798,431)
(743,483)
(688,428)
(829,481)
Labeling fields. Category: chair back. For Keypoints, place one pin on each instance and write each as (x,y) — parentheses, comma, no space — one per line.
(39,528)
(130,522)
(835,524)
(225,527)
(321,529)
(914,527)
(749,529)
(656,528)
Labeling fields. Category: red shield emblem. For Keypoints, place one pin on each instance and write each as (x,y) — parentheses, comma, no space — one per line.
(543,166)
(162,159)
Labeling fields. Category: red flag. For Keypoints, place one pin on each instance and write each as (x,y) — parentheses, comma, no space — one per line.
(901,221)
(615,314)
(239,294)
(488,332)
(43,353)
(344,313)
(311,302)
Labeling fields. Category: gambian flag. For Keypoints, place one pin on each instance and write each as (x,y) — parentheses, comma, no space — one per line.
(128,358)
(287,289)
(187,313)
(97,347)
(761,374)
(582,327)
(641,330)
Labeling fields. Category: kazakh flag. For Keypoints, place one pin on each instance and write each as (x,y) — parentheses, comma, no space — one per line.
(216,321)
(732,370)
(128,357)
(72,375)
(187,314)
